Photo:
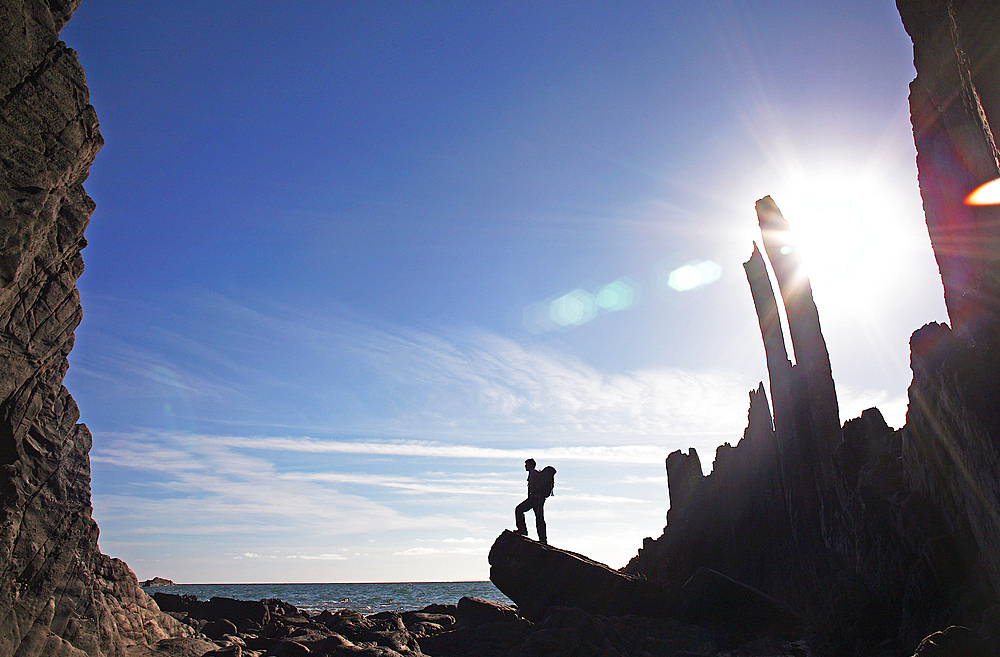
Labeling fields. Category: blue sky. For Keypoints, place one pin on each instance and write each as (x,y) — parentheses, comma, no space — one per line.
(352,263)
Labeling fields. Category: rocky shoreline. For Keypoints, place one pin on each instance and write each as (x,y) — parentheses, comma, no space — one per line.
(224,626)
(606,614)
(478,628)
(471,628)
(566,604)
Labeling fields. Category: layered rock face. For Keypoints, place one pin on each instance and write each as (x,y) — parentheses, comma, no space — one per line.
(58,594)
(953,422)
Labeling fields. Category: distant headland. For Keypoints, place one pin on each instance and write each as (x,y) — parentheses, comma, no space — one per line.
(156,581)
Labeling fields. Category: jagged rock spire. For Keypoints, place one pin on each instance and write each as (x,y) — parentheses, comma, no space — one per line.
(811,356)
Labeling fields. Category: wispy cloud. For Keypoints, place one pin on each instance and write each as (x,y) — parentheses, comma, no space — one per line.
(327,556)
(420,434)
(270,368)
(503,387)
(203,487)
(418,551)
(422,551)
(200,485)
(605,499)
(632,479)
(605,453)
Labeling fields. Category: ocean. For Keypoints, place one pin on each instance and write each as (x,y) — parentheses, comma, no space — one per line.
(368,598)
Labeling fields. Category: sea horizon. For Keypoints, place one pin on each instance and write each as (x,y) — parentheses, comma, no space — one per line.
(368,597)
(386,581)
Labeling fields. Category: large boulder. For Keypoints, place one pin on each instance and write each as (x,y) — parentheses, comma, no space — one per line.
(538,577)
(477,611)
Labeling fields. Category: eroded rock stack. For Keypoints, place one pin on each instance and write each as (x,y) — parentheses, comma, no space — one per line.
(58,594)
(766,496)
(879,536)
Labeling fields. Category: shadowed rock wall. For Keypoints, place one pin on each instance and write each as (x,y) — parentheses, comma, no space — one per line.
(953,421)
(58,594)
(954,100)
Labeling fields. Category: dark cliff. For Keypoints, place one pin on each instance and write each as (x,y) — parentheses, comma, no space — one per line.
(878,536)
(954,100)
(58,594)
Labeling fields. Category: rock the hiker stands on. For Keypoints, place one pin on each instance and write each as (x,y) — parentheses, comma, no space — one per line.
(537,577)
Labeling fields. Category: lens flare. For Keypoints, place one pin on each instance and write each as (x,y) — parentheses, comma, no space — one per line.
(577,307)
(617,295)
(692,275)
(985,194)
(580,306)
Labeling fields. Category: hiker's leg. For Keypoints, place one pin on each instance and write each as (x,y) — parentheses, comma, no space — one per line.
(540,520)
(519,510)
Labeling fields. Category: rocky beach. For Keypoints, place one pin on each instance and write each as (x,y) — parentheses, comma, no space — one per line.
(808,537)
(575,606)
(478,627)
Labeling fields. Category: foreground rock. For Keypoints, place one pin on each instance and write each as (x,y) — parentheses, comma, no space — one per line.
(273,628)
(548,583)
(735,610)
(471,628)
(538,577)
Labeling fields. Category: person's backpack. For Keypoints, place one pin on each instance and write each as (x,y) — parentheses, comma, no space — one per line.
(548,480)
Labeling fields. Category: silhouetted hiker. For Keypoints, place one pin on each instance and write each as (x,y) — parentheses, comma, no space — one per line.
(539,487)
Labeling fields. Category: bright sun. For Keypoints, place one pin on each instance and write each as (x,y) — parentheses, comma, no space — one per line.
(845,224)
